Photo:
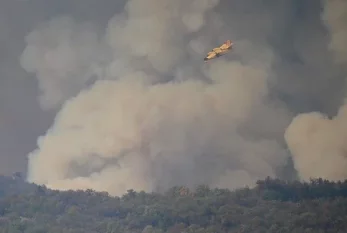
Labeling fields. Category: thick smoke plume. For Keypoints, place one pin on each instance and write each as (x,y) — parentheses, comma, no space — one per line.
(141,111)
(319,144)
(122,135)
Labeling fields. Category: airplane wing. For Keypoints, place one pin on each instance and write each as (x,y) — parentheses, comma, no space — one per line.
(223,46)
(226,45)
(217,50)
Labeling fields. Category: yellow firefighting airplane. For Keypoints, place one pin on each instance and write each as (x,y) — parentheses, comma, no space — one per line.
(219,51)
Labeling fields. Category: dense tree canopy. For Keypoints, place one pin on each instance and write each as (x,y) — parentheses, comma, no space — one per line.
(272,206)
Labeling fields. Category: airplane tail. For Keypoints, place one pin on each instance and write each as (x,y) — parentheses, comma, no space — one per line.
(228,43)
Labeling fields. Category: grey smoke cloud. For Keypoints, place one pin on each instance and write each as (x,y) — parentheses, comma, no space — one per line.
(317,142)
(132,130)
(334,17)
(66,53)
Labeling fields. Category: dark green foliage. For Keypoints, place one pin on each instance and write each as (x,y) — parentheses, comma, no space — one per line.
(272,206)
(275,189)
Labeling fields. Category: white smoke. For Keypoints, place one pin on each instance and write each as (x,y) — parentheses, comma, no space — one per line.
(318,144)
(132,129)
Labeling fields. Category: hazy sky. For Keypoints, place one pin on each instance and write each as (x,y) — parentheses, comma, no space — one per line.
(133,129)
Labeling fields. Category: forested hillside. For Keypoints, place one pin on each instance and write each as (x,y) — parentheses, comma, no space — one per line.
(273,206)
